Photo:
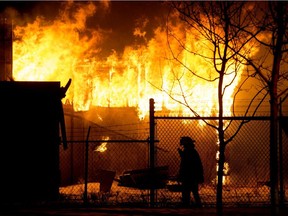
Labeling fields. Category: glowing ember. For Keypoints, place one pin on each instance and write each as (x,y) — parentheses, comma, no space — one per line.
(102,147)
(65,48)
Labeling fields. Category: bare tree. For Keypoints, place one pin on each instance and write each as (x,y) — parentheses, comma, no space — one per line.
(270,67)
(226,43)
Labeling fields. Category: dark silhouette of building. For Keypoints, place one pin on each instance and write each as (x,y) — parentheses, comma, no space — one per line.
(30,116)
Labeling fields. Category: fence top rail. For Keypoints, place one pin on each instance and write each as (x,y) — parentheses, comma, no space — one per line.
(217,118)
(110,141)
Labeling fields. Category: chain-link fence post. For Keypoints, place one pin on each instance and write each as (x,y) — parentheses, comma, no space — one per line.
(86,167)
(152,146)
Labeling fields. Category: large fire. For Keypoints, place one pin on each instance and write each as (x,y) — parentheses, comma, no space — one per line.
(65,48)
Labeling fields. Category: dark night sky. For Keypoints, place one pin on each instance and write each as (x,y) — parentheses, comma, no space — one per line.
(120,20)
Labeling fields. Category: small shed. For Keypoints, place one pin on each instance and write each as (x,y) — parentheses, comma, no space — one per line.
(31,118)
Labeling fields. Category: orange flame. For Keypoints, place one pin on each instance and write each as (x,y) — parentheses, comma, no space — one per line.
(102,147)
(66,48)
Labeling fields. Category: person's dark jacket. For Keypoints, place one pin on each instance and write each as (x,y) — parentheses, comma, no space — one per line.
(191,169)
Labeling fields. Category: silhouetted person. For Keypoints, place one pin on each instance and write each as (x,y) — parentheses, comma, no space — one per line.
(190,172)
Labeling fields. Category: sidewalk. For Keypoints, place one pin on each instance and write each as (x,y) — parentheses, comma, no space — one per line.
(119,211)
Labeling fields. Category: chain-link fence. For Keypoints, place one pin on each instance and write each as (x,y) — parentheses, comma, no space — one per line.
(246,174)
(94,164)
(99,159)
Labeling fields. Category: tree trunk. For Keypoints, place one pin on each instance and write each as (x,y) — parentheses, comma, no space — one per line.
(273,89)
(221,161)
(274,155)
(219,202)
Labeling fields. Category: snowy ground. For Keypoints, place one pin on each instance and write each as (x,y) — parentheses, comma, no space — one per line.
(234,196)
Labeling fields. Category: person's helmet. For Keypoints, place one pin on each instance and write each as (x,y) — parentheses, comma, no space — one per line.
(187,141)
